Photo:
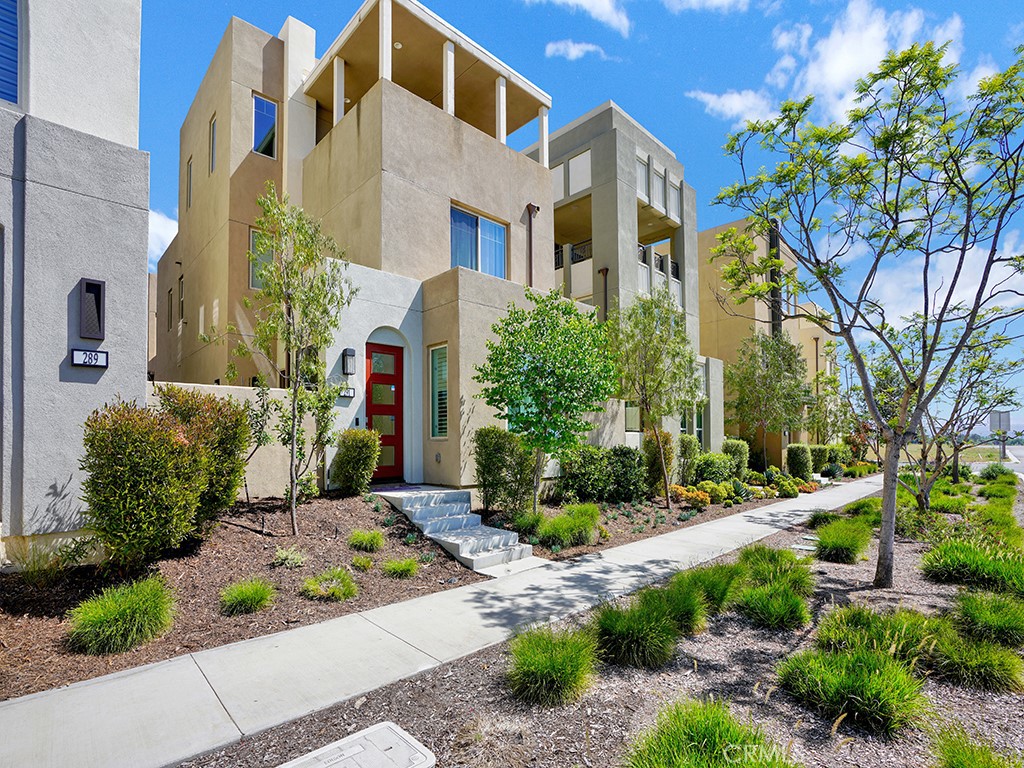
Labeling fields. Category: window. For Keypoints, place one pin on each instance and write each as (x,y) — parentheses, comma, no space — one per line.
(632,417)
(188,184)
(170,308)
(674,200)
(9,50)
(181,297)
(264,126)
(641,178)
(658,190)
(699,428)
(478,243)
(213,144)
(262,257)
(439,392)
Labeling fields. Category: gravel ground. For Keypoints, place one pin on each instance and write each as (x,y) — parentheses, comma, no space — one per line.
(463,713)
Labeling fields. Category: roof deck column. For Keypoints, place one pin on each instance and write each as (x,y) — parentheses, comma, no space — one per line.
(544,154)
(384,12)
(448,69)
(500,111)
(339,89)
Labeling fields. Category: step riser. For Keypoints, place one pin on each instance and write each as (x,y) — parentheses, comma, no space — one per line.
(421,515)
(434,499)
(450,523)
(499,557)
(479,546)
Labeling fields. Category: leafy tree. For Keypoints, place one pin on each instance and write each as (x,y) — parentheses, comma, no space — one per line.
(767,385)
(829,417)
(546,369)
(657,365)
(915,178)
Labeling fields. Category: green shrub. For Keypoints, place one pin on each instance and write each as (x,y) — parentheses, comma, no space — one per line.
(788,488)
(996,618)
(290,558)
(652,460)
(912,523)
(870,687)
(949,505)
(997,491)
(689,450)
(798,461)
(978,664)
(766,566)
(640,635)
(859,470)
(719,584)
(335,585)
(222,427)
(401,569)
(684,603)
(713,490)
(973,564)
(121,618)
(904,634)
(527,522)
(247,596)
(774,607)
(821,517)
(739,450)
(549,667)
(366,541)
(839,453)
(952,747)
(586,474)
(362,563)
(870,509)
(819,457)
(504,470)
(628,474)
(576,526)
(994,471)
(703,734)
(713,467)
(832,470)
(355,461)
(843,541)
(144,479)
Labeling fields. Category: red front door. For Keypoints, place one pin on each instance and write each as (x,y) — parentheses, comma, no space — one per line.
(384,407)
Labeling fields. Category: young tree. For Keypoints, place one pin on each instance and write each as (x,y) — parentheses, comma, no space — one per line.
(829,417)
(546,369)
(657,365)
(767,386)
(914,178)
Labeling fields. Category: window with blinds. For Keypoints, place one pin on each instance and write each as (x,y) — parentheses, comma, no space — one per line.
(9,50)
(439,392)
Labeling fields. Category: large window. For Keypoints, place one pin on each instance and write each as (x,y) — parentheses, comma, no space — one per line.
(439,392)
(9,50)
(263,257)
(264,126)
(478,243)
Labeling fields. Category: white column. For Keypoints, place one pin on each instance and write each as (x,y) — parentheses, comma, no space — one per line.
(339,89)
(448,87)
(384,10)
(500,111)
(543,152)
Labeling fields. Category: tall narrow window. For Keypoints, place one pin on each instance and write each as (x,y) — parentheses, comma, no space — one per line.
(632,417)
(170,308)
(181,297)
(642,178)
(264,126)
(439,392)
(673,202)
(9,50)
(188,184)
(213,144)
(262,257)
(478,243)
(658,190)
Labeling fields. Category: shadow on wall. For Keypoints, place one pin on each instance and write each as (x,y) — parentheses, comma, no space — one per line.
(63,510)
(466,435)
(68,372)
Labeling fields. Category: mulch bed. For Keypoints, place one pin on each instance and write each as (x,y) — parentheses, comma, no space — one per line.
(33,652)
(462,711)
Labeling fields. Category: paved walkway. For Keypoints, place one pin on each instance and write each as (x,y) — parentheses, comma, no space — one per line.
(164,713)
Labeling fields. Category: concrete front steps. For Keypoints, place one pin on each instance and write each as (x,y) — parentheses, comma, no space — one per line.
(444,516)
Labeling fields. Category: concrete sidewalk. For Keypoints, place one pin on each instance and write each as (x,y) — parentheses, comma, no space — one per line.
(167,712)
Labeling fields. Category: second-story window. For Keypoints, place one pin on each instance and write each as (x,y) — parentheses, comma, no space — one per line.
(181,297)
(188,184)
(264,126)
(213,144)
(478,243)
(262,257)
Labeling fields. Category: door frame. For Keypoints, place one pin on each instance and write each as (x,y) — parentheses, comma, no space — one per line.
(397,409)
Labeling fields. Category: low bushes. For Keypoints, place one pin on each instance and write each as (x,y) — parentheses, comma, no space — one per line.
(952,747)
(821,517)
(249,596)
(694,499)
(978,664)
(713,467)
(703,733)
(405,568)
(121,618)
(973,564)
(717,492)
(549,667)
(788,489)
(652,460)
(774,607)
(355,460)
(996,618)
(362,563)
(949,505)
(586,474)
(994,471)
(504,470)
(819,457)
(685,604)
(575,526)
(291,557)
(642,634)
(335,585)
(740,453)
(766,566)
(869,509)
(719,584)
(860,469)
(843,541)
(689,450)
(366,541)
(798,460)
(628,474)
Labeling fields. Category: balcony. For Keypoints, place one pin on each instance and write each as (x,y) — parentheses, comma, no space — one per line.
(582,252)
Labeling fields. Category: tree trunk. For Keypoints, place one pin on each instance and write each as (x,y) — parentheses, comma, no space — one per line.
(538,471)
(664,469)
(886,537)
(764,449)
(293,480)
(956,464)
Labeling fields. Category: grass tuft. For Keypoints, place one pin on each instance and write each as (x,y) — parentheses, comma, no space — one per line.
(820,517)
(121,618)
(843,541)
(986,616)
(952,747)
(576,526)
(549,667)
(777,567)
(684,604)
(401,569)
(978,664)
(973,564)
(904,634)
(642,634)
(249,596)
(362,563)
(290,558)
(720,584)
(870,509)
(366,541)
(773,607)
(336,585)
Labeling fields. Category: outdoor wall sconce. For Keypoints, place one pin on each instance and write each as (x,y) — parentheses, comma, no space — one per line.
(348,361)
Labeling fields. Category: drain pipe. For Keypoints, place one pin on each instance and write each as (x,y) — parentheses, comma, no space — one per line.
(531,211)
(603,272)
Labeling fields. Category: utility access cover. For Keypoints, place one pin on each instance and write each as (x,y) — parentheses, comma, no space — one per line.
(384,745)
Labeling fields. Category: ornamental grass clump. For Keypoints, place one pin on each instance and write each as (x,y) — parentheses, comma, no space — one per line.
(821,517)
(703,734)
(975,564)
(366,541)
(774,607)
(992,617)
(335,585)
(904,634)
(953,747)
(843,541)
(642,634)
(362,563)
(978,664)
(122,617)
(249,596)
(766,566)
(576,526)
(720,584)
(684,602)
(401,569)
(549,667)
(290,558)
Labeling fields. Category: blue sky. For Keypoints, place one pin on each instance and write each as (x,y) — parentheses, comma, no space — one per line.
(688,70)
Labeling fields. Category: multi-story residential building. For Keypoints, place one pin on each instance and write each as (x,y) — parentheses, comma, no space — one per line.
(625,222)
(724,324)
(73,233)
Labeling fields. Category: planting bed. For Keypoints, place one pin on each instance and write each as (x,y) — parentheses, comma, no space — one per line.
(34,654)
(464,712)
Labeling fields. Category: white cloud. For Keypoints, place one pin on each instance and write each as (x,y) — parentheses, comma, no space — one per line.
(738,106)
(722,6)
(571,50)
(781,72)
(792,38)
(609,12)
(162,229)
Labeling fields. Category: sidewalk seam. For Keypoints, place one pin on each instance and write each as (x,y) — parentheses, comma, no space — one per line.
(220,701)
(402,640)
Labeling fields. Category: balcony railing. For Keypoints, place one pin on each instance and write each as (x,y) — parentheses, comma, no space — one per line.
(675,270)
(582,252)
(642,254)
(558,256)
